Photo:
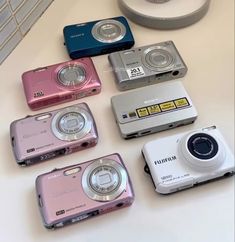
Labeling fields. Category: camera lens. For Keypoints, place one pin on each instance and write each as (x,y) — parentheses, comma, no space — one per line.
(71,75)
(104,180)
(202,146)
(157,57)
(108,31)
(71,123)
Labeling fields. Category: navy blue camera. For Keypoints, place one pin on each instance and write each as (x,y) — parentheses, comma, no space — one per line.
(98,37)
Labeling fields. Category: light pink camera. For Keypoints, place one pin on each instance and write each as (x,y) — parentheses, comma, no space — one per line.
(64,82)
(78,192)
(48,135)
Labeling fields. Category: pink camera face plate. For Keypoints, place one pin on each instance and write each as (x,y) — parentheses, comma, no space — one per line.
(47,135)
(59,83)
(63,197)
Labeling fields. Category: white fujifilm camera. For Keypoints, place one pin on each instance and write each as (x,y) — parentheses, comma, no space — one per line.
(188,159)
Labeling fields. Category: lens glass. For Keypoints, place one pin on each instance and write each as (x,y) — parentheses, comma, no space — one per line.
(108,31)
(158,58)
(202,146)
(71,123)
(104,179)
(71,75)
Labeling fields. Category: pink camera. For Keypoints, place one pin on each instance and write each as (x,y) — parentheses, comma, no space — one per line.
(78,192)
(48,135)
(64,82)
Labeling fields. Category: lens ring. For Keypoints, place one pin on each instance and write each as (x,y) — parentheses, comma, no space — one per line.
(108,31)
(104,180)
(72,123)
(71,75)
(158,58)
(202,146)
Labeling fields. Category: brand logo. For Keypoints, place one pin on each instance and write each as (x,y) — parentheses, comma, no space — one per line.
(77,35)
(162,161)
(151,101)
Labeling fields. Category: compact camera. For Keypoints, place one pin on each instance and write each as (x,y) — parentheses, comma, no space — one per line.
(78,192)
(188,159)
(68,81)
(98,37)
(147,65)
(48,135)
(152,109)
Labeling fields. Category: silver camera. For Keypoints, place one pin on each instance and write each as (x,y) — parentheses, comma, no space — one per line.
(152,109)
(147,65)
(185,160)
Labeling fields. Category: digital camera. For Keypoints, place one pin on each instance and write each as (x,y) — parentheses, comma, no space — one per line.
(98,37)
(147,65)
(48,135)
(59,83)
(81,191)
(152,109)
(188,159)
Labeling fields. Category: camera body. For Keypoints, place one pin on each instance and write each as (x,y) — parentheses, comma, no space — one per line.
(188,159)
(81,191)
(59,83)
(153,109)
(98,37)
(48,135)
(147,65)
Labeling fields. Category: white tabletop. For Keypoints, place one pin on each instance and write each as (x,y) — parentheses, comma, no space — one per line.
(205,213)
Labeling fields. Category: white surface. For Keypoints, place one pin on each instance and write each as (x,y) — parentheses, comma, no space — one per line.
(171,9)
(205,213)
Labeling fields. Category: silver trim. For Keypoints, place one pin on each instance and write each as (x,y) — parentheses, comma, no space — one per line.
(76,76)
(110,37)
(120,180)
(168,62)
(71,135)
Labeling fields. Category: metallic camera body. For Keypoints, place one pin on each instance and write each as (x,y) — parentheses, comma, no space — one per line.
(147,65)
(48,135)
(59,83)
(81,191)
(174,166)
(153,109)
(98,37)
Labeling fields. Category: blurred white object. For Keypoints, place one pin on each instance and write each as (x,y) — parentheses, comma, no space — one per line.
(164,14)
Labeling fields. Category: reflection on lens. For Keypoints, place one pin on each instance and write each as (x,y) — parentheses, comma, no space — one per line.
(108,31)
(71,75)
(71,123)
(157,57)
(202,146)
(104,179)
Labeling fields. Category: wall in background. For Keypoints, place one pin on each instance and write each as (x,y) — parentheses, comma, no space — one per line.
(16,19)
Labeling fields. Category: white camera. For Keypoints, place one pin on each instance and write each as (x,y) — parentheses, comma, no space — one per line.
(188,159)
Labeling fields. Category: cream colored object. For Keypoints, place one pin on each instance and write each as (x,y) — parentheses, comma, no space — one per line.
(171,14)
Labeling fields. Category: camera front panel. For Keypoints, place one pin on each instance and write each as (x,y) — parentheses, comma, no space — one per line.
(172,169)
(153,109)
(49,135)
(147,65)
(63,197)
(98,37)
(60,83)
